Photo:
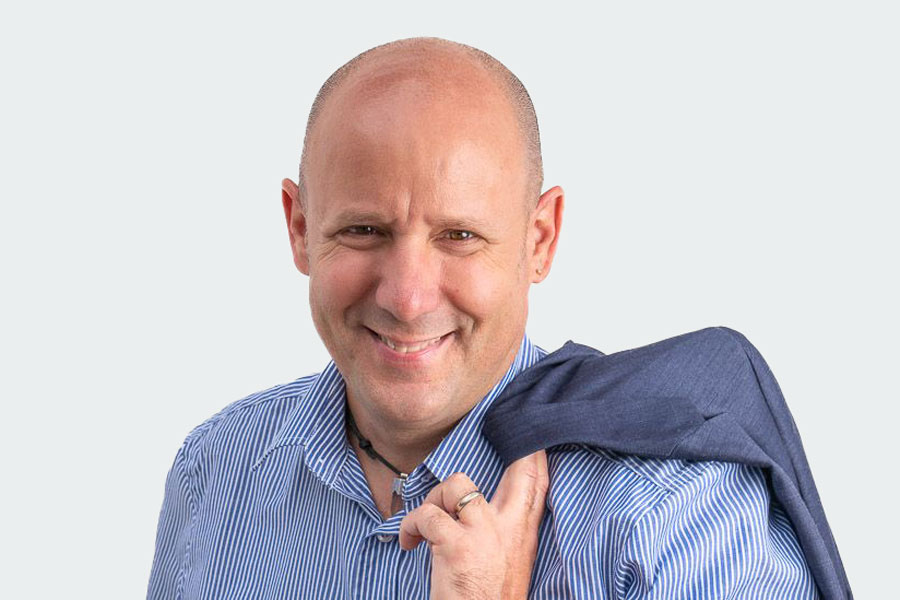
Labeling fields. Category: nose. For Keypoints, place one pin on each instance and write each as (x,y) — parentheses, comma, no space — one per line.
(409,281)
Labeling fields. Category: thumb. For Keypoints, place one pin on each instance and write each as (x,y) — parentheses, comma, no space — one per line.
(523,486)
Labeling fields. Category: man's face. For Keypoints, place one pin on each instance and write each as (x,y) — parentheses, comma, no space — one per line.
(418,247)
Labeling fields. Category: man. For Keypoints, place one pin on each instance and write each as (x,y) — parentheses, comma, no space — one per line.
(419,220)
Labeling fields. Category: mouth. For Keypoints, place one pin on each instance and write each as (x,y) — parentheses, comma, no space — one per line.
(408,346)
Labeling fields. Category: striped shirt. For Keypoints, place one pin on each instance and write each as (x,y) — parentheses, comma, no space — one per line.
(266,499)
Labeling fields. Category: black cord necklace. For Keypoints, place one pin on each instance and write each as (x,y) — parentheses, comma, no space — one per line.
(366,446)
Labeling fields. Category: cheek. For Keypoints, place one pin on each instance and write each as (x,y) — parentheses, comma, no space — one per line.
(485,289)
(339,281)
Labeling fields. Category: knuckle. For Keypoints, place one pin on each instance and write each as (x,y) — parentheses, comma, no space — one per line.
(536,499)
(531,470)
(458,478)
(539,478)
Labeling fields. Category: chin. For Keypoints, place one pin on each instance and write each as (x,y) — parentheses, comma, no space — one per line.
(410,402)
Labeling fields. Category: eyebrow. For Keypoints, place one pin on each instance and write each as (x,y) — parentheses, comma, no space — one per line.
(360,216)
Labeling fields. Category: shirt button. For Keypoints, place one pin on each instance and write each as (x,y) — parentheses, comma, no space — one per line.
(385,537)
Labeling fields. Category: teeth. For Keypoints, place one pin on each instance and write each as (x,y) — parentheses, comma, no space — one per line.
(405,349)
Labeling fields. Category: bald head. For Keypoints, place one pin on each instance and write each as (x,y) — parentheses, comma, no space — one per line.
(442,70)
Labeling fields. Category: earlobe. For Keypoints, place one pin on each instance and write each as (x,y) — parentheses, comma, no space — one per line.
(296,224)
(546,224)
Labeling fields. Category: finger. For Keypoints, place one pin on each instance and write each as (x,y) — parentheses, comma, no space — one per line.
(427,522)
(449,492)
(523,486)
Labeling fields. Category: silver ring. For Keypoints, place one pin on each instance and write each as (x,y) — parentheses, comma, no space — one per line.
(466,499)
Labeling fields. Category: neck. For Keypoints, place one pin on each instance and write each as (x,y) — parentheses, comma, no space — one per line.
(403,447)
(406,442)
(402,452)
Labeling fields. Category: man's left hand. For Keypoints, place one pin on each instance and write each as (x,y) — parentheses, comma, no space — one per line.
(487,550)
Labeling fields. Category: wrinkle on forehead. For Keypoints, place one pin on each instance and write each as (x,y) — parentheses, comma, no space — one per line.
(356,168)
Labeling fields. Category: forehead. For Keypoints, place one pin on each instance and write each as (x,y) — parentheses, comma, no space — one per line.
(403,130)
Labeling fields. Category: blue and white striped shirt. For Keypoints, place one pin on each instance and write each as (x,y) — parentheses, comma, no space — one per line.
(266,499)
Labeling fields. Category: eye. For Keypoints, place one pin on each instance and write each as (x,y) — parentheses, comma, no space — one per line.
(361,230)
(459,235)
(361,237)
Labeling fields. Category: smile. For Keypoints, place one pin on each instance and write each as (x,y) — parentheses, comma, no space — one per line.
(407,347)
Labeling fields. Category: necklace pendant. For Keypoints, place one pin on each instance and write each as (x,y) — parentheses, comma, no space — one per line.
(397,492)
(397,485)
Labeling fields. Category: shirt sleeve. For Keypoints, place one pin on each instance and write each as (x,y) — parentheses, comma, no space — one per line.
(718,536)
(173,534)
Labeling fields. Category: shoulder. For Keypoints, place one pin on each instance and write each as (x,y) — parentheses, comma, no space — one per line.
(716,334)
(709,350)
(727,345)
(248,423)
(618,492)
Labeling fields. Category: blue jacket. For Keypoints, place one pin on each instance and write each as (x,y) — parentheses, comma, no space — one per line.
(704,395)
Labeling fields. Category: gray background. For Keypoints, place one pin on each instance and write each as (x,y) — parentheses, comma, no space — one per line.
(724,164)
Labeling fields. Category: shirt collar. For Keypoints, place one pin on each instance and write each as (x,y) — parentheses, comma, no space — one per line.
(317,407)
(465,449)
(317,424)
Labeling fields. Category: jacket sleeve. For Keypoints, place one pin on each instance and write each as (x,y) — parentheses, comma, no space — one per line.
(173,534)
(717,536)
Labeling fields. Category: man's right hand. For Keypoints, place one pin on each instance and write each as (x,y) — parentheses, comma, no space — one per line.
(489,550)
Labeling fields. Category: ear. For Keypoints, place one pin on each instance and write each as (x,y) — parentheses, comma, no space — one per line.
(296,224)
(544,226)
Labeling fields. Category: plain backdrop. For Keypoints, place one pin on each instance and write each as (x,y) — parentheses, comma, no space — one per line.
(724,164)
